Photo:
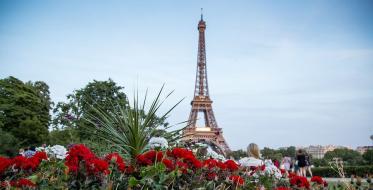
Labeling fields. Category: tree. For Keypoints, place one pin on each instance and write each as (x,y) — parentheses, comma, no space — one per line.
(289,151)
(98,94)
(24,110)
(269,153)
(237,154)
(349,156)
(368,156)
(7,144)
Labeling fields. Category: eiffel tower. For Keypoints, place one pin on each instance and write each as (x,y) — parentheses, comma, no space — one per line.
(202,103)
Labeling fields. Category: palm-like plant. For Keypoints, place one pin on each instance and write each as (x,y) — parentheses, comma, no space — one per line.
(129,128)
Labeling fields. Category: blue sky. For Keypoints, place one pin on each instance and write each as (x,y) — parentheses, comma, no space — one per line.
(280,72)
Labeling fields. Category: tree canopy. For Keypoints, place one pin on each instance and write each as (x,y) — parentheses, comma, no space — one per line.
(24,110)
(98,94)
(350,157)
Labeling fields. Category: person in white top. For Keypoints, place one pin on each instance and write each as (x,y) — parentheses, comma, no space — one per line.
(253,158)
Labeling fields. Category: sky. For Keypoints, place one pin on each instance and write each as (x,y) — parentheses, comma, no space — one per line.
(280,73)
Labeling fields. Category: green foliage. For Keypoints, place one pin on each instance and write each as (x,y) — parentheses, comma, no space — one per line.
(237,154)
(51,175)
(7,144)
(349,170)
(24,110)
(129,128)
(268,153)
(349,157)
(319,162)
(64,136)
(273,154)
(289,151)
(368,156)
(100,94)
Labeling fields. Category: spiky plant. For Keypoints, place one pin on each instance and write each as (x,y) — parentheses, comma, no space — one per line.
(129,128)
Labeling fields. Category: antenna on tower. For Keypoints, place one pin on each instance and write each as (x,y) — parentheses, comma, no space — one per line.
(201,13)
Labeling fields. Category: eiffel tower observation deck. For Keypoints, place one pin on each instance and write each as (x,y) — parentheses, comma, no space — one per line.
(208,130)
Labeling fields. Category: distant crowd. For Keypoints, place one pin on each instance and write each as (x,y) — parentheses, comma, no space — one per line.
(300,165)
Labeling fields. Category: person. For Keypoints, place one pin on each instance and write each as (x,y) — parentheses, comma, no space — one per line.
(30,152)
(301,159)
(286,163)
(253,159)
(21,152)
(308,165)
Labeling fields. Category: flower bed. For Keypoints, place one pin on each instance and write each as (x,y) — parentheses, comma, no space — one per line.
(173,168)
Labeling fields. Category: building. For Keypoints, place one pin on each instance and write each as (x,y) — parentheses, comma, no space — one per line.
(318,151)
(363,149)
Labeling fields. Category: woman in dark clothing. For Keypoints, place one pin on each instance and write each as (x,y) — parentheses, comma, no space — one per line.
(301,159)
(308,165)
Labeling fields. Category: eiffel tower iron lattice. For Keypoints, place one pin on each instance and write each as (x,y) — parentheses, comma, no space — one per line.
(202,103)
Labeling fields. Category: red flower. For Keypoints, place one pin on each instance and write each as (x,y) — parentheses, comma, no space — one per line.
(221,165)
(76,154)
(150,155)
(196,163)
(180,153)
(211,176)
(253,168)
(182,166)
(23,163)
(130,169)
(231,165)
(292,174)
(317,179)
(93,165)
(148,158)
(299,181)
(283,188)
(237,180)
(168,163)
(263,167)
(97,166)
(325,184)
(40,156)
(117,159)
(143,160)
(22,183)
(5,163)
(282,171)
(210,163)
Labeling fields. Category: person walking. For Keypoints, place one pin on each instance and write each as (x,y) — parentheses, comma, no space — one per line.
(301,159)
(308,165)
(286,163)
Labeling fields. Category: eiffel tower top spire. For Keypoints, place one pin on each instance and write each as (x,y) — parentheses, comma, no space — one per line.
(201,86)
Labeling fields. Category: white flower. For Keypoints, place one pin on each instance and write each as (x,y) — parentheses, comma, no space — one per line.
(56,151)
(271,169)
(215,155)
(160,142)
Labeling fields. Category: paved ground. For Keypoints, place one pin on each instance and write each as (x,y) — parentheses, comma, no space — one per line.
(338,179)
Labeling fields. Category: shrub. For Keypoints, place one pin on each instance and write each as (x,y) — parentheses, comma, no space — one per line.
(349,170)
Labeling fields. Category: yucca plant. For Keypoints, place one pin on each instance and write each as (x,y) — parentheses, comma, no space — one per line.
(129,128)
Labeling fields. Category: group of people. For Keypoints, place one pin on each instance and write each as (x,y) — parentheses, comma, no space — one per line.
(300,164)
(28,151)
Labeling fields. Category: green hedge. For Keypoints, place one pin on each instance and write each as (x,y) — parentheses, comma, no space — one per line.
(349,170)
